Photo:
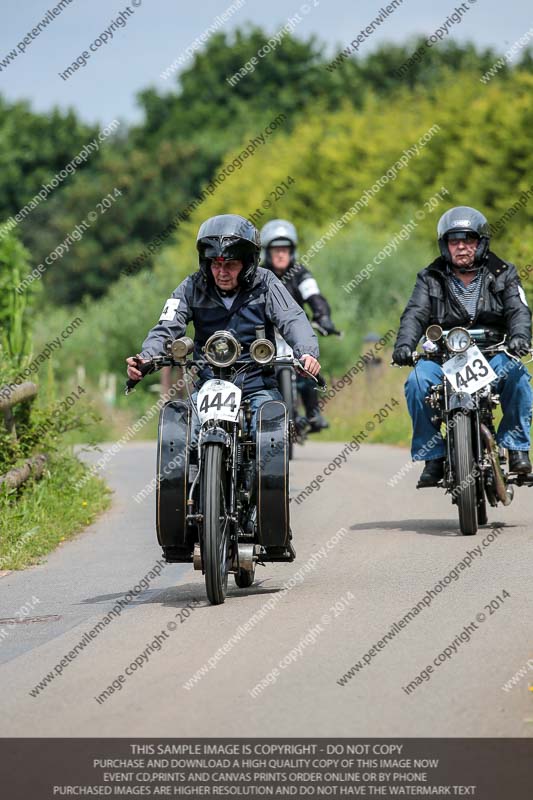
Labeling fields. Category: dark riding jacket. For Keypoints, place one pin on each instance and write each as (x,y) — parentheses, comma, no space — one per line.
(267,303)
(502,305)
(301,285)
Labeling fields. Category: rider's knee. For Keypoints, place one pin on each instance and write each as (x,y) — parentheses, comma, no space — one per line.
(511,370)
(415,384)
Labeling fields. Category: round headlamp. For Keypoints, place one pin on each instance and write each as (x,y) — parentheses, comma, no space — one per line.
(458,340)
(433,333)
(222,349)
(262,351)
(180,348)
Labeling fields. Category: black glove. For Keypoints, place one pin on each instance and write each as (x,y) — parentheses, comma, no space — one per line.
(402,356)
(326,324)
(519,346)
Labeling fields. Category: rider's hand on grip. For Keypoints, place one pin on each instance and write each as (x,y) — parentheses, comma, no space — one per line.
(311,364)
(137,368)
(519,346)
(402,356)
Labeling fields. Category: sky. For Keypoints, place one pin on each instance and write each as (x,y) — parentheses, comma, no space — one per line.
(156,32)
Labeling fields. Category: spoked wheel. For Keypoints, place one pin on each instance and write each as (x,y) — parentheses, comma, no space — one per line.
(466,482)
(285,387)
(216,534)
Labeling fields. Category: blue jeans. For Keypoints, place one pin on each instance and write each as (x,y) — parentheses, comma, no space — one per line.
(515,395)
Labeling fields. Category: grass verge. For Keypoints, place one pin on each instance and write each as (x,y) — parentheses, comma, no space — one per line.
(48,511)
(374,403)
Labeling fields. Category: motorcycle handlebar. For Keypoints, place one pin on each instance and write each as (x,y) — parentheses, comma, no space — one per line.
(149,366)
(416,356)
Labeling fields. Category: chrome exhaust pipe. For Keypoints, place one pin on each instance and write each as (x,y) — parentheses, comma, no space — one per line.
(504,493)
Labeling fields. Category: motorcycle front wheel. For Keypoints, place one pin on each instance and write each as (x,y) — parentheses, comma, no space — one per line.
(465,488)
(215,526)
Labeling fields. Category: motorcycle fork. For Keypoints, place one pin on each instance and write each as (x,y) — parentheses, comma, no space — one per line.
(479,459)
(449,476)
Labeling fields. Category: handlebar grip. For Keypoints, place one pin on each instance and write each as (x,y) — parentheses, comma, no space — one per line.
(146,368)
(415,356)
(130,384)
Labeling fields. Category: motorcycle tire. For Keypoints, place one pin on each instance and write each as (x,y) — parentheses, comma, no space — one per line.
(464,464)
(215,529)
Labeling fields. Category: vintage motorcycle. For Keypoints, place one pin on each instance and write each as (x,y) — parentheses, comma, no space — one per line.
(299,427)
(464,402)
(222,496)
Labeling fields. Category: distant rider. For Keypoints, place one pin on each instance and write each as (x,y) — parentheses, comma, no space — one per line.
(279,241)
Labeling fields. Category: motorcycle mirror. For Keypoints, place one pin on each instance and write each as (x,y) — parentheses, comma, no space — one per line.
(434,333)
(181,347)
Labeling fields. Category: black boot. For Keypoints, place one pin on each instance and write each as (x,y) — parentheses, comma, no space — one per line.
(432,473)
(307,389)
(519,462)
(317,423)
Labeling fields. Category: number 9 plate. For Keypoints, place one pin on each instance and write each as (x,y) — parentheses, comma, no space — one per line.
(218,400)
(470,371)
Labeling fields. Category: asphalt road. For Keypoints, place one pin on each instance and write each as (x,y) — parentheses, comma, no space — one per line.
(367,554)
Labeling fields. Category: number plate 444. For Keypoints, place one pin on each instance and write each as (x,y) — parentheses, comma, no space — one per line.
(218,400)
(470,371)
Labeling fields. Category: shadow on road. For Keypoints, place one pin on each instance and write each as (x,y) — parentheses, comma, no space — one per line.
(427,527)
(178,595)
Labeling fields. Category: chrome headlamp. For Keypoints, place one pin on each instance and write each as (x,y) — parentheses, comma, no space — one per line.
(262,351)
(222,349)
(434,333)
(458,340)
(180,348)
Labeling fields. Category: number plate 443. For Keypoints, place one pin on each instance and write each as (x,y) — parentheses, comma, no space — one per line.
(218,400)
(470,371)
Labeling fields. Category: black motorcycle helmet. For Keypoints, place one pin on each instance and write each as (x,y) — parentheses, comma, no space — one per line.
(229,236)
(463,220)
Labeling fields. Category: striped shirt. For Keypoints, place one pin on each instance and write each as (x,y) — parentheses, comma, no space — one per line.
(468,296)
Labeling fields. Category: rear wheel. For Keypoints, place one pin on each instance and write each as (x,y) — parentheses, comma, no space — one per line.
(285,387)
(465,489)
(216,538)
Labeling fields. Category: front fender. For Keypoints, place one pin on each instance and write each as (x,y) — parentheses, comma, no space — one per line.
(461,401)
(214,436)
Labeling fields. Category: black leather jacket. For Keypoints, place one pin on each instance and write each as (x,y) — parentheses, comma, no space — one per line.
(501,308)
(301,285)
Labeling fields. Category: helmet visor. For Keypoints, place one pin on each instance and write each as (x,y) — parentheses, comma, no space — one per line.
(467,236)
